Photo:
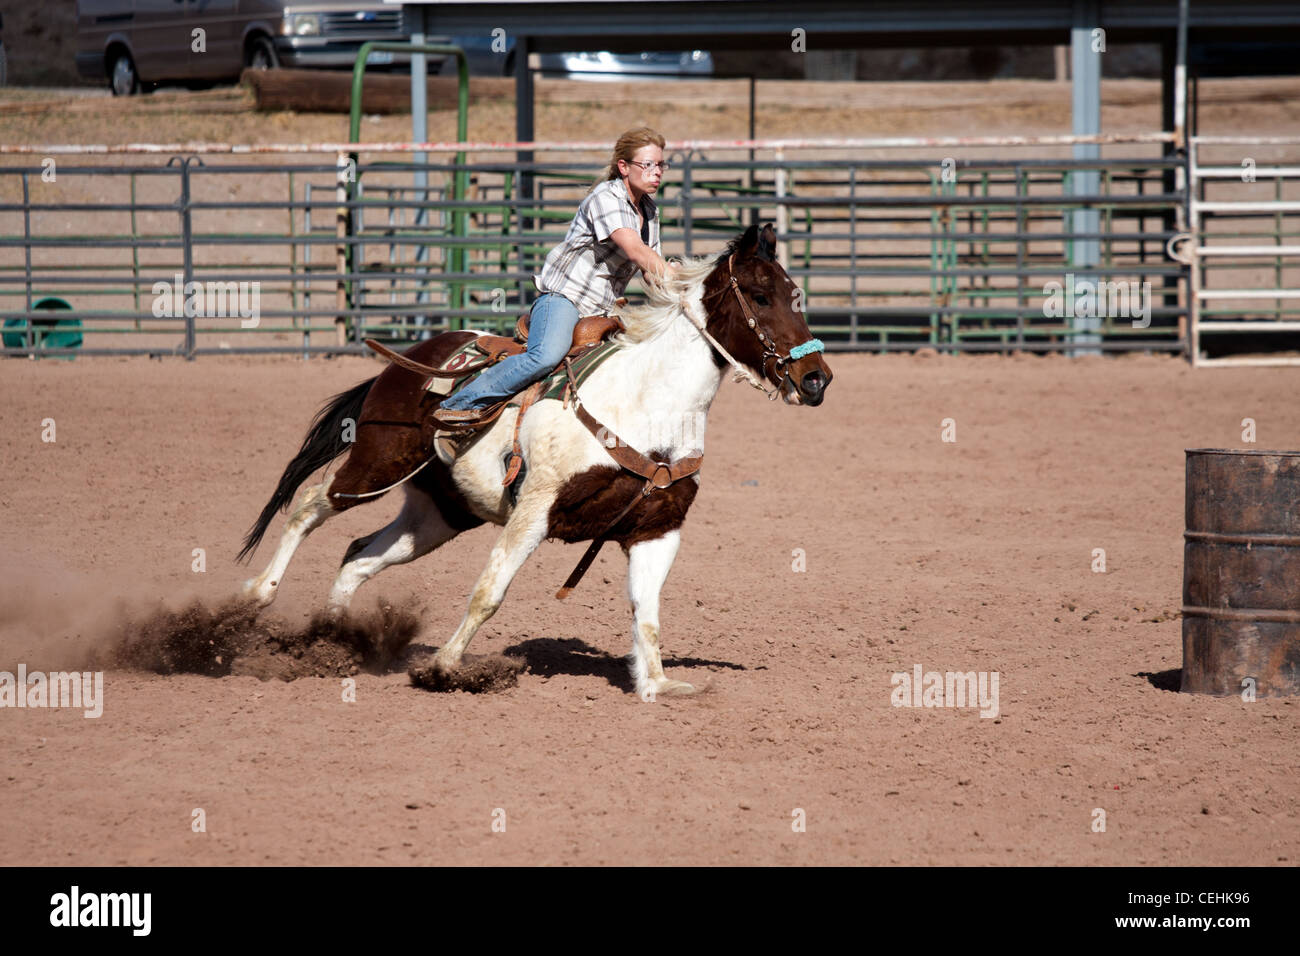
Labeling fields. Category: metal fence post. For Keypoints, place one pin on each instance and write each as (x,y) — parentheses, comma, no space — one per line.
(343,166)
(135,255)
(853,254)
(782,211)
(187,250)
(686,203)
(1021,192)
(27,262)
(306,264)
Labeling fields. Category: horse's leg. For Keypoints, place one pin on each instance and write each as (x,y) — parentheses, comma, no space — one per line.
(418,528)
(648,563)
(312,511)
(520,537)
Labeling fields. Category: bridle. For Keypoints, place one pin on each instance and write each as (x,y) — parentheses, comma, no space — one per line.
(779,375)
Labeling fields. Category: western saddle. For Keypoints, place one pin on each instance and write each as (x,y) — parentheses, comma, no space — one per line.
(590,330)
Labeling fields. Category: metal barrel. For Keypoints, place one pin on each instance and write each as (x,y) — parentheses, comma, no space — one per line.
(1241,572)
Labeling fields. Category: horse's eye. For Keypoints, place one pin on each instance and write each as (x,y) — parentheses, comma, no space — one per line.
(760,298)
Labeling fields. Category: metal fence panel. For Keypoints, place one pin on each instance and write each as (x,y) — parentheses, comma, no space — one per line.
(1243,246)
(944,248)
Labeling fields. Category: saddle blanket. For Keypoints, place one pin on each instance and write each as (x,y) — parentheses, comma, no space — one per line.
(470,352)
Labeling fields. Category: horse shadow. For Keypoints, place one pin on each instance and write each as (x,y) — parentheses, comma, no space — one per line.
(549,657)
(570,656)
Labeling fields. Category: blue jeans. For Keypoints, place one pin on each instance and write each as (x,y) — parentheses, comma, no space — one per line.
(550,333)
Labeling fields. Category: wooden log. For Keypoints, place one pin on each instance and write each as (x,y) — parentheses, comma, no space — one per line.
(329,91)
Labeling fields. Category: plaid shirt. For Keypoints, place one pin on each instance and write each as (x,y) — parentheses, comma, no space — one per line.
(588,268)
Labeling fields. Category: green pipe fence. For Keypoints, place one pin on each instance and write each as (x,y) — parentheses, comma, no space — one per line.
(889,254)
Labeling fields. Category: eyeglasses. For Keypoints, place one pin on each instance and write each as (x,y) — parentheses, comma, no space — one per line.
(662,167)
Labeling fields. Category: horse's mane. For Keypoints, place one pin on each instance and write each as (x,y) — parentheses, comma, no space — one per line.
(663,300)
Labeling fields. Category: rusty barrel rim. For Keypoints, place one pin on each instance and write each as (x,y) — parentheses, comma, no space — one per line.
(1237,452)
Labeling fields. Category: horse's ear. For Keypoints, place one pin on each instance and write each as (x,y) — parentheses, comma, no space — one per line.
(760,243)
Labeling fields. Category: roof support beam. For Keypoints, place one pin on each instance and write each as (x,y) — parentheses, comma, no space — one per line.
(1087,47)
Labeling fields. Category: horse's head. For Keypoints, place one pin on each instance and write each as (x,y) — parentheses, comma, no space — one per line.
(755,311)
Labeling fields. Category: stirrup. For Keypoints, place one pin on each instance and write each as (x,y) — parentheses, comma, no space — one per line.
(450,437)
(445,447)
(468,419)
(456,418)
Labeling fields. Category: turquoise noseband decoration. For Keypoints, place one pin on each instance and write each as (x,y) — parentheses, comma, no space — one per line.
(808,348)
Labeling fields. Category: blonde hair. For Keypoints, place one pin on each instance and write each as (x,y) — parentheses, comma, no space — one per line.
(626,148)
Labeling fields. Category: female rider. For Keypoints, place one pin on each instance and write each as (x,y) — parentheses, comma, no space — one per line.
(614,234)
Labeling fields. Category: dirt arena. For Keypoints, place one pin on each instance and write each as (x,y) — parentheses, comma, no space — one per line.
(968,556)
(973,555)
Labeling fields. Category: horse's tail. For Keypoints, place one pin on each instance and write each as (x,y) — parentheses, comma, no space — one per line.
(324,443)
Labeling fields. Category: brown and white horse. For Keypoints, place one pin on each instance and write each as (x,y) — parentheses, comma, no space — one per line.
(653,394)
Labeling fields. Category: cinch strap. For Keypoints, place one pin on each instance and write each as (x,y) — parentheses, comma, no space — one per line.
(812,345)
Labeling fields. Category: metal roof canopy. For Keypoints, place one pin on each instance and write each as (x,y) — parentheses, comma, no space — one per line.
(540,26)
(758,24)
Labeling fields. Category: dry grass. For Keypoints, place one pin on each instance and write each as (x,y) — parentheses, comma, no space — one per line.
(569,109)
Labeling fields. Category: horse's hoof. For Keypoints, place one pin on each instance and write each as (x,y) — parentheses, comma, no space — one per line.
(259,595)
(666,687)
(442,665)
(476,675)
(678,688)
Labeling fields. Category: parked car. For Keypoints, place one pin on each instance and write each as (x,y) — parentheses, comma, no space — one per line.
(626,66)
(139,44)
(483,60)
